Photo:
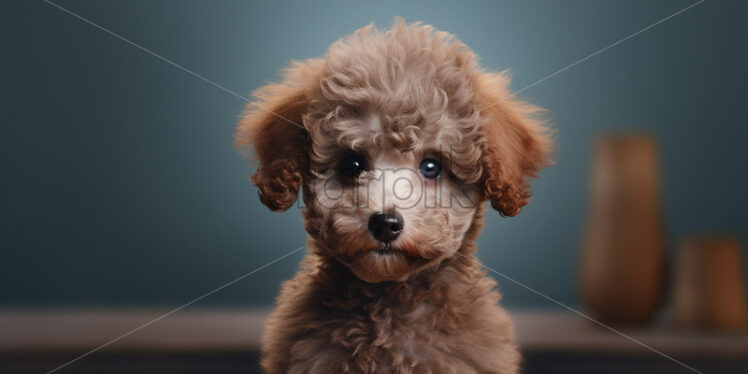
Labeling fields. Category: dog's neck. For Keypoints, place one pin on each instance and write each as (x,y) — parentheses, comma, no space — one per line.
(339,288)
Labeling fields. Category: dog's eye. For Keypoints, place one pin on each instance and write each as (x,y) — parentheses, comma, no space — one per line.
(351,166)
(430,168)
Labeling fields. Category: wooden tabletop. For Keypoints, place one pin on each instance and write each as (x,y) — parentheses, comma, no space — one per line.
(27,331)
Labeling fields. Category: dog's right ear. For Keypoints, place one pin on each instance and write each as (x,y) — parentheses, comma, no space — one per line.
(517,146)
(272,125)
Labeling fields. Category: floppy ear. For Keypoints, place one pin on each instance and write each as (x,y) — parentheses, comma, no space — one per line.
(272,126)
(516,147)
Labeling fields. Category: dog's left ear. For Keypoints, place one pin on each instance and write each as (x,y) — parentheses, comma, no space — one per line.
(516,147)
(273,126)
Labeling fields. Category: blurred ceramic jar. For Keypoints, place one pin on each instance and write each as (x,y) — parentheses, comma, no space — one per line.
(622,269)
(709,288)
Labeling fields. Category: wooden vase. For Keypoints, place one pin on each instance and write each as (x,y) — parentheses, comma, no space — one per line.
(622,268)
(709,288)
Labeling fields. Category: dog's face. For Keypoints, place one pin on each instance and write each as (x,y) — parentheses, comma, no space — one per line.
(397,138)
(387,196)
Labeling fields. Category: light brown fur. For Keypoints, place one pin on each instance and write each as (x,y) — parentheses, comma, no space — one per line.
(394,97)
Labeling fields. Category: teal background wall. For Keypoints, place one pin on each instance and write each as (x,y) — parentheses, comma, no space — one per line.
(119,185)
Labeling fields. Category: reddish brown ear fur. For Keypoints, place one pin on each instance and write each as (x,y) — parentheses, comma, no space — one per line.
(272,125)
(517,144)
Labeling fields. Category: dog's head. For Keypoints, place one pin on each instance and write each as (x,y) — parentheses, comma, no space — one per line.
(396,138)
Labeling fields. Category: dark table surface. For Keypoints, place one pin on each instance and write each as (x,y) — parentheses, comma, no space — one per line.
(227,341)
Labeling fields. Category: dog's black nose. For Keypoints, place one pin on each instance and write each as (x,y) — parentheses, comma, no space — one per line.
(385,227)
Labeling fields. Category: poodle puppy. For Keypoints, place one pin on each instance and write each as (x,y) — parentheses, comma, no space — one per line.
(396,138)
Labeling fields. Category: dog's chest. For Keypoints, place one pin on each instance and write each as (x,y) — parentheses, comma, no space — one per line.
(392,338)
(396,334)
(409,336)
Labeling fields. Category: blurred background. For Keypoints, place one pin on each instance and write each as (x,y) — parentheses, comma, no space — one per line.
(122,198)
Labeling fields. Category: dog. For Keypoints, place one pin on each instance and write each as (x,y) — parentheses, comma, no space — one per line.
(396,138)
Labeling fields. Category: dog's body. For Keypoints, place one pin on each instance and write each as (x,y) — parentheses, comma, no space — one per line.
(444,320)
(396,139)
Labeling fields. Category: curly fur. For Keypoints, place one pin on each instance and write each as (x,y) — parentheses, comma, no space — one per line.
(421,304)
